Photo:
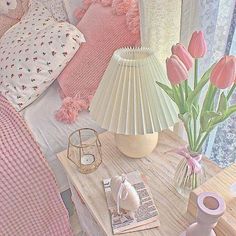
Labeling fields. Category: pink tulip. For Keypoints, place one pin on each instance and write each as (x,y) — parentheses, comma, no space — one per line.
(180,51)
(176,70)
(197,46)
(224,72)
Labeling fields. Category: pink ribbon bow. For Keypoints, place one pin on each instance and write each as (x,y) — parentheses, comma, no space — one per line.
(122,192)
(193,162)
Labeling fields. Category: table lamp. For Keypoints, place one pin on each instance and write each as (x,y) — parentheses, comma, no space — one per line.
(129,103)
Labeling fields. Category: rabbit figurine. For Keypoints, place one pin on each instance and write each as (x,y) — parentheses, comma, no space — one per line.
(124,194)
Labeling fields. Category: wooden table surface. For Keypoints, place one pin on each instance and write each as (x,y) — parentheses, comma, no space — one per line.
(159,167)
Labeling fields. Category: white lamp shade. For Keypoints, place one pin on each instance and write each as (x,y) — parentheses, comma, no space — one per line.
(128,100)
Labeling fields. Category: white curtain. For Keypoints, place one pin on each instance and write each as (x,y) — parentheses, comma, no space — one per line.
(160,25)
(217,19)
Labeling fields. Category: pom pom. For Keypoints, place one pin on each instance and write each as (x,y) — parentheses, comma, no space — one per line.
(90,98)
(86,4)
(121,7)
(133,18)
(106,3)
(70,109)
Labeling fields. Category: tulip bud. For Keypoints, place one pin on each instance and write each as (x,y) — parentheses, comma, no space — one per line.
(182,53)
(176,70)
(224,72)
(197,45)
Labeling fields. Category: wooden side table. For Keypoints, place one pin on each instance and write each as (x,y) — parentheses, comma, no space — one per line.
(159,167)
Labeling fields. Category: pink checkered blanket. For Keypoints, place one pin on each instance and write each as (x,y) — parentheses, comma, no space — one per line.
(30,204)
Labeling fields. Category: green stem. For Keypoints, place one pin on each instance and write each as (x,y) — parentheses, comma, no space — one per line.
(190,140)
(197,141)
(186,89)
(195,85)
(195,73)
(202,141)
(181,93)
(194,130)
(209,98)
(231,92)
(176,94)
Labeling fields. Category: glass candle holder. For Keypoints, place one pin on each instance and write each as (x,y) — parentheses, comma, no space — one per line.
(84,150)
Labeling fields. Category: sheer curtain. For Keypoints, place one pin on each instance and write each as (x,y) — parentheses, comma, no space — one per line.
(160,24)
(217,18)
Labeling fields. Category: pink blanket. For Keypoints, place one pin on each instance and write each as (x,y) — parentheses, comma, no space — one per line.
(30,203)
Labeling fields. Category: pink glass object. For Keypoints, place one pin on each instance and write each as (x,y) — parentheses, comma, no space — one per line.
(210,207)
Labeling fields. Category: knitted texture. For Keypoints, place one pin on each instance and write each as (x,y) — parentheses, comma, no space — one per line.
(30,203)
(104,33)
(130,8)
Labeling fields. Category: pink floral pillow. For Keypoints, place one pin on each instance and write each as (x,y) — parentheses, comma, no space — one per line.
(13,16)
(104,33)
(33,53)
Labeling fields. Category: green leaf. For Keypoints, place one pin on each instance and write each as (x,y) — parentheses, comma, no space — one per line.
(186,118)
(222,103)
(199,87)
(226,114)
(189,90)
(208,103)
(168,90)
(195,111)
(205,119)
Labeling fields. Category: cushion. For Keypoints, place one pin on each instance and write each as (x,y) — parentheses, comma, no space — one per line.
(56,7)
(33,53)
(104,32)
(10,18)
(71,6)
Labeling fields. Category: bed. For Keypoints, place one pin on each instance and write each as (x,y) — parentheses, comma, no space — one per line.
(51,135)
(158,32)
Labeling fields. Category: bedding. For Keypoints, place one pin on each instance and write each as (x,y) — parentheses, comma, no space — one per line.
(33,53)
(105,32)
(56,7)
(51,135)
(30,202)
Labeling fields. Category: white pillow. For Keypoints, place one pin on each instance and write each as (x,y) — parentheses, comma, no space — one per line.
(71,6)
(33,53)
(56,7)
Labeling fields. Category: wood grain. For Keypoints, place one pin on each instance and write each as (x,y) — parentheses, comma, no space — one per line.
(221,184)
(159,167)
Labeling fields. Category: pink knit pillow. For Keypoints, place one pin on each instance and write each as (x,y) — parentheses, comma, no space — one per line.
(104,33)
(13,16)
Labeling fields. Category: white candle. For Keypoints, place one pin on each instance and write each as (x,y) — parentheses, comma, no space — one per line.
(87,159)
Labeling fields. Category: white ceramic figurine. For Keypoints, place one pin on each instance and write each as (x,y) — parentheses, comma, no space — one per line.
(124,194)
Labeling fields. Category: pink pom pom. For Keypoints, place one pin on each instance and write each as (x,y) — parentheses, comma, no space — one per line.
(86,4)
(106,3)
(133,18)
(121,7)
(70,109)
(90,98)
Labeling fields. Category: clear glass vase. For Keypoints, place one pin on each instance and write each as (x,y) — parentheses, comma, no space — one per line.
(186,176)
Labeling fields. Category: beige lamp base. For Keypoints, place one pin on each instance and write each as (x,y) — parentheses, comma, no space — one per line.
(136,146)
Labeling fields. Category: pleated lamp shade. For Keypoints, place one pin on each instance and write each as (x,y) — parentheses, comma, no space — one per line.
(128,101)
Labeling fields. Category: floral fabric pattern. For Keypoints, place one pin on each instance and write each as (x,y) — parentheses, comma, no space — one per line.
(33,53)
(56,7)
